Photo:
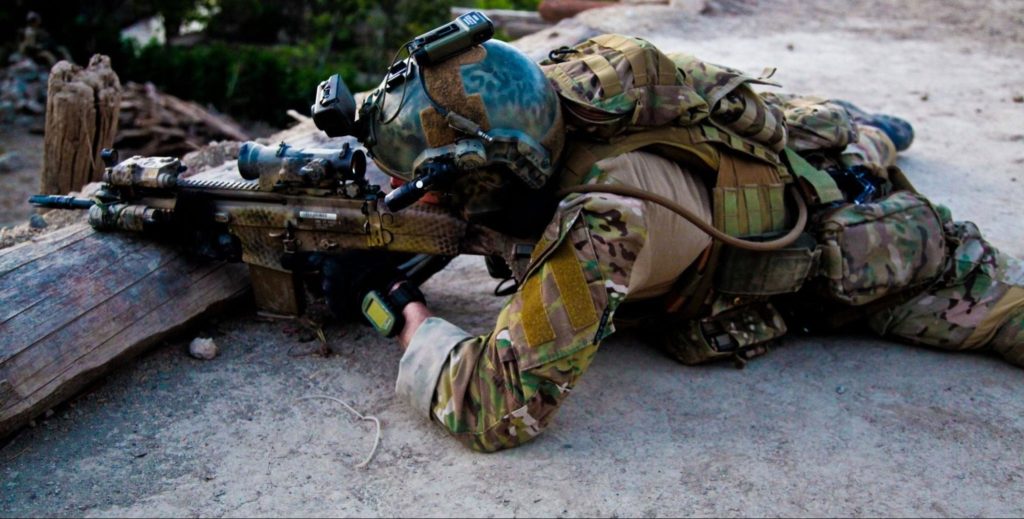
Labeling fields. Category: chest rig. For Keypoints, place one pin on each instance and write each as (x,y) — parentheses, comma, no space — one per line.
(621,94)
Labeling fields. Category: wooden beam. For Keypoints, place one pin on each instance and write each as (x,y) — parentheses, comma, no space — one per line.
(77,302)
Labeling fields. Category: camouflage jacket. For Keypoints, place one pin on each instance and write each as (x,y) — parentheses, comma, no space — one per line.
(501,389)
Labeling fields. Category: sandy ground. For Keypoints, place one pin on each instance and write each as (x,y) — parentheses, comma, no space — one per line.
(821,426)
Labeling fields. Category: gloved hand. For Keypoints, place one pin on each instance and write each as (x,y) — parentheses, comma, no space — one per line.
(350,275)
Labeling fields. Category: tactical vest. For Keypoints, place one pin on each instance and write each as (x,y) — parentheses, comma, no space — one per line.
(622,94)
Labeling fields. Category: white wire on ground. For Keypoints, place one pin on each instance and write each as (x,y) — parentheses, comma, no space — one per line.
(376,439)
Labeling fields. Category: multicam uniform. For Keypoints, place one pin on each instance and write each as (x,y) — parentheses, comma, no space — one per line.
(899,261)
(501,389)
(498,390)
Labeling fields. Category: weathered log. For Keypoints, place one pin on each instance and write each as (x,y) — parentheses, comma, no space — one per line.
(556,10)
(82,108)
(76,302)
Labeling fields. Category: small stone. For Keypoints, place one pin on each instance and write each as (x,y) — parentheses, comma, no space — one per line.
(203,348)
(790,47)
(924,97)
(37,222)
(690,7)
(1018,98)
(10,161)
(840,389)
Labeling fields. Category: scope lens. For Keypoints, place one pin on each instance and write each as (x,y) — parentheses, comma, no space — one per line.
(358,163)
(248,156)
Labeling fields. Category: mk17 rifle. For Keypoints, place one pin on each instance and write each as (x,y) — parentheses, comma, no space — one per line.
(291,210)
(286,205)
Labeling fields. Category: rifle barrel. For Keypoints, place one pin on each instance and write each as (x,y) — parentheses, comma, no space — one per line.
(60,202)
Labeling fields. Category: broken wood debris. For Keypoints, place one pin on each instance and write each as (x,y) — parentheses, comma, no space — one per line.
(156,123)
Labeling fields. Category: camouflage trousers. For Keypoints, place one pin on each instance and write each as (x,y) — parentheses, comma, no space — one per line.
(978,302)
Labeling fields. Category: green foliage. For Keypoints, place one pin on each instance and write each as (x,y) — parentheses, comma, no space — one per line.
(257,57)
(248,81)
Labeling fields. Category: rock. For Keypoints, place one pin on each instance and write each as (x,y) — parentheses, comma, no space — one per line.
(37,222)
(10,161)
(202,348)
(693,7)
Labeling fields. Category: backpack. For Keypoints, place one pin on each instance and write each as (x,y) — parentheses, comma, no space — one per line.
(613,84)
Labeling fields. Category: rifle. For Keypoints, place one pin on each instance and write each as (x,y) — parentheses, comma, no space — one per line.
(288,205)
(292,207)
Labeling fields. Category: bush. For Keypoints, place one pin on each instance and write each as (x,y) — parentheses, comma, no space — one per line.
(251,82)
(239,73)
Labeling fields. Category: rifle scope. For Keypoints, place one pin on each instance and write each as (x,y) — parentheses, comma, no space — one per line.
(255,160)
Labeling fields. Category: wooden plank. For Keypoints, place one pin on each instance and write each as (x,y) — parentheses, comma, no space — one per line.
(62,379)
(122,307)
(14,257)
(78,302)
(38,289)
(50,287)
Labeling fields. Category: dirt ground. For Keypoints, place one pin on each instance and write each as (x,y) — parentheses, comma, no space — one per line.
(822,426)
(19,177)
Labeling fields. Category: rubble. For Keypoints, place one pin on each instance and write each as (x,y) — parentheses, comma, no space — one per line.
(10,161)
(155,123)
(37,222)
(23,92)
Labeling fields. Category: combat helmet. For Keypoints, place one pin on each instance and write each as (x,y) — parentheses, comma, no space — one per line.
(486,109)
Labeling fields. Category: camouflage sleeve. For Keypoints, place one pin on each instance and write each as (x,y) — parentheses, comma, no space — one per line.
(501,389)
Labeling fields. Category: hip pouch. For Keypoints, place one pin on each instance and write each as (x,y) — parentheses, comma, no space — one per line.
(874,250)
(738,333)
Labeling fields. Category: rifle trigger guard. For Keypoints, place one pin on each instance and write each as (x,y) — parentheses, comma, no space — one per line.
(288,241)
(378,235)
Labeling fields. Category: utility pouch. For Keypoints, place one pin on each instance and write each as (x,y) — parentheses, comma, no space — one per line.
(743,272)
(739,333)
(870,251)
(814,123)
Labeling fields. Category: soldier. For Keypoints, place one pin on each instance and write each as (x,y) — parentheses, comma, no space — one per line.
(616,112)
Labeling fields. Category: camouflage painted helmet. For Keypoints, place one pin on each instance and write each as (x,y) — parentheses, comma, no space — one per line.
(489,106)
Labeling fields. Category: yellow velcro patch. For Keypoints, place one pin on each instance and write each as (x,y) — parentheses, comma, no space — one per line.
(572,287)
(536,325)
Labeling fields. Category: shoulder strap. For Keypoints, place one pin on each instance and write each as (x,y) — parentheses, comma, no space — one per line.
(821,185)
